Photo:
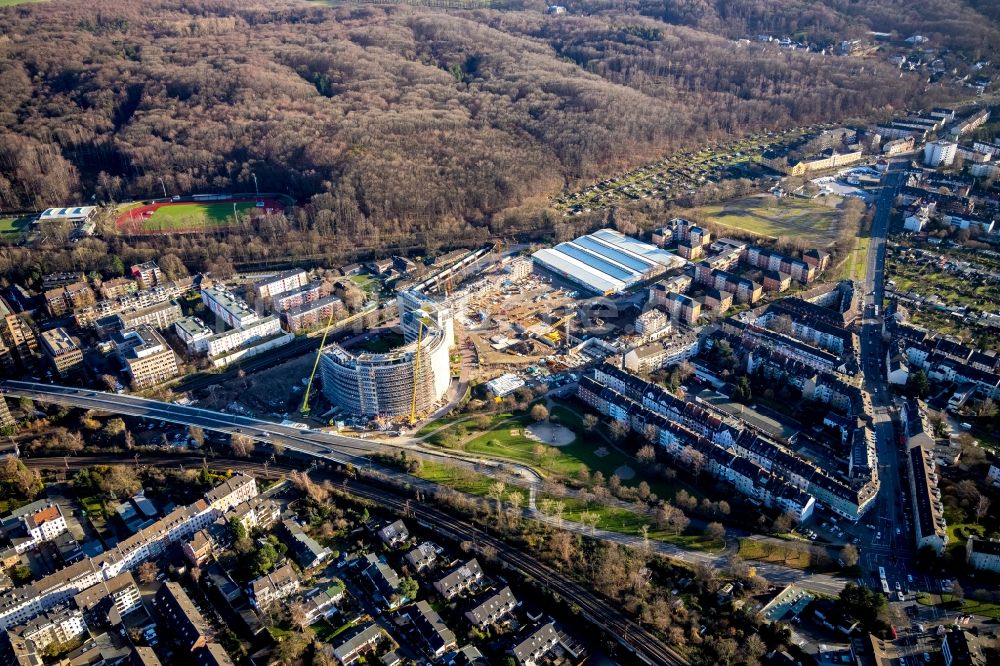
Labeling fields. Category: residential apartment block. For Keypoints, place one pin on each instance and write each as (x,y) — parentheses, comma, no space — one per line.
(62,352)
(459,580)
(309,293)
(313,314)
(283,282)
(228,307)
(798,269)
(147,275)
(20,604)
(746,291)
(34,524)
(983,554)
(147,358)
(929,523)
(271,588)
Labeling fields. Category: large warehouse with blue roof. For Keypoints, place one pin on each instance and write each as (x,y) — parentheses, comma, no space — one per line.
(606,261)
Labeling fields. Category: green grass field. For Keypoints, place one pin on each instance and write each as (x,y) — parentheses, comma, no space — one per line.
(955,605)
(458,478)
(14,228)
(506,441)
(11,3)
(766,216)
(196,215)
(856,264)
(796,556)
(625,521)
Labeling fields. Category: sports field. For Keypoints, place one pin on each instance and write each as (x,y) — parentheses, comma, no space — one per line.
(190,217)
(14,228)
(764,215)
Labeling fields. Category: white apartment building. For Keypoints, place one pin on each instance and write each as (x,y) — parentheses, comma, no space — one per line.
(227,307)
(940,153)
(21,604)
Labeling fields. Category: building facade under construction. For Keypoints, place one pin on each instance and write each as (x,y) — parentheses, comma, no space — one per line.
(406,380)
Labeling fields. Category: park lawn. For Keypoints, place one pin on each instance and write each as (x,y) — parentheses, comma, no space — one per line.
(968,606)
(792,555)
(455,417)
(958,534)
(766,216)
(367,283)
(455,477)
(626,521)
(11,3)
(196,215)
(14,228)
(431,426)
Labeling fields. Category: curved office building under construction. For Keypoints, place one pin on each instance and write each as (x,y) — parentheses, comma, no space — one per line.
(388,384)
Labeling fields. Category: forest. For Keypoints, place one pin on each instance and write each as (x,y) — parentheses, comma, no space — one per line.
(389,123)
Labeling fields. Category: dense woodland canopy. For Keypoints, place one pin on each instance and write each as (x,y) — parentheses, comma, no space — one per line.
(389,120)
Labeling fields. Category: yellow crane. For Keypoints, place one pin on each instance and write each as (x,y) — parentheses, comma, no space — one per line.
(559,324)
(416,373)
(312,375)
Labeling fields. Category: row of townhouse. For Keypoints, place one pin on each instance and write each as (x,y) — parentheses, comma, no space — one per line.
(746,291)
(824,387)
(33,524)
(641,404)
(144,298)
(754,337)
(809,324)
(20,604)
(769,260)
(944,360)
(719,460)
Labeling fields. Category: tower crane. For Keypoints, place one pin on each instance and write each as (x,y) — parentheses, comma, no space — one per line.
(416,372)
(312,375)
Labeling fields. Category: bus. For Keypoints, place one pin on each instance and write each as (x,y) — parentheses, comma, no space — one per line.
(881,573)
(885,588)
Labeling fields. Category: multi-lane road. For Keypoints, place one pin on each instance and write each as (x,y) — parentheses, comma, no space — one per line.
(301,439)
(889,542)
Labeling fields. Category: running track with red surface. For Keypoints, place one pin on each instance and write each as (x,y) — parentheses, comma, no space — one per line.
(138,216)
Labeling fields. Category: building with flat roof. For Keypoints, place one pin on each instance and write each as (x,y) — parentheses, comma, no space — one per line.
(983,554)
(146,356)
(283,282)
(503,385)
(606,261)
(313,314)
(960,648)
(147,274)
(74,214)
(227,307)
(62,352)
